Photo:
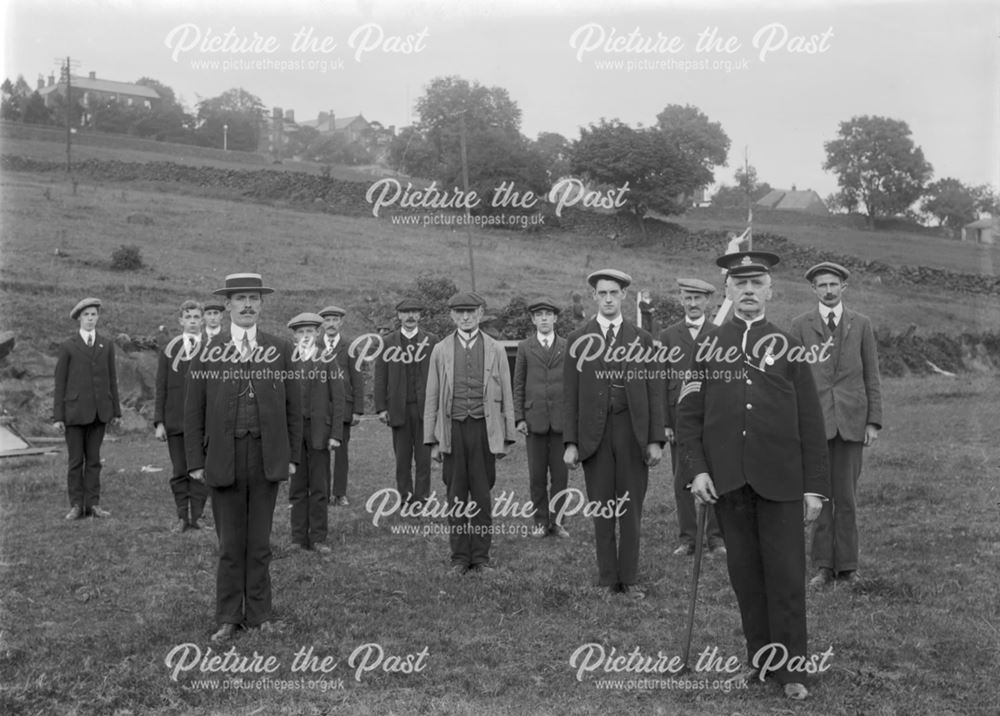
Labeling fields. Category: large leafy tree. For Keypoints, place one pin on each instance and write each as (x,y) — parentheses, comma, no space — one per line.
(877,165)
(663,165)
(951,202)
(236,108)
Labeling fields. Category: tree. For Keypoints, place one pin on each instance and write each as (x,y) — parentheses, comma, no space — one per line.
(951,202)
(663,165)
(241,111)
(554,150)
(736,197)
(411,153)
(877,165)
(166,120)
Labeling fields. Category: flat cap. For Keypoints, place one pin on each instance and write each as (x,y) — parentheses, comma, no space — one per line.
(85,303)
(622,278)
(695,285)
(306,319)
(214,305)
(333,311)
(243,283)
(748,263)
(827,267)
(409,304)
(466,300)
(543,303)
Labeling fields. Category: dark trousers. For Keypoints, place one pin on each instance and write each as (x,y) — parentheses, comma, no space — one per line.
(616,469)
(341,463)
(469,474)
(307,491)
(687,518)
(189,495)
(545,459)
(83,478)
(835,541)
(408,445)
(767,568)
(244,511)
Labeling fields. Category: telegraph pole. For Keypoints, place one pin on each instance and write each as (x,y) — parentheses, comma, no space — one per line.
(465,187)
(65,73)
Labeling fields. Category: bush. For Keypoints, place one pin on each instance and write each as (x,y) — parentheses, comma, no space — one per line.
(126,258)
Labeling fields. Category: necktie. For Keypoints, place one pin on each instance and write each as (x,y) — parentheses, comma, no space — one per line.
(90,341)
(545,343)
(609,337)
(830,322)
(245,347)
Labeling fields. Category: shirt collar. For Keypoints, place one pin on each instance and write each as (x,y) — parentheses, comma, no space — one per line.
(331,343)
(88,334)
(213,332)
(551,338)
(838,311)
(467,338)
(237,333)
(409,335)
(698,322)
(604,323)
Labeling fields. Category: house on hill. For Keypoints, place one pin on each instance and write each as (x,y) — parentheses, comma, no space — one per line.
(352,127)
(793,200)
(984,231)
(94,91)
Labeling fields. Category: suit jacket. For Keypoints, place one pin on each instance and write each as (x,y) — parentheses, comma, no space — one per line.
(86,389)
(353,378)
(210,409)
(390,374)
(171,383)
(323,400)
(498,401)
(753,422)
(586,395)
(538,385)
(849,386)
(677,335)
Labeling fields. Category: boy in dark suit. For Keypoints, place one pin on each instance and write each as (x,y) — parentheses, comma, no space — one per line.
(538,414)
(682,338)
(336,344)
(322,393)
(614,426)
(168,415)
(400,388)
(85,400)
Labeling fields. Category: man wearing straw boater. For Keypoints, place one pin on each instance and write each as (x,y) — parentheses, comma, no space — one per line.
(613,425)
(750,430)
(243,434)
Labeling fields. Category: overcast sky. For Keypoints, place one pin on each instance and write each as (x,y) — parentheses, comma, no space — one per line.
(791,73)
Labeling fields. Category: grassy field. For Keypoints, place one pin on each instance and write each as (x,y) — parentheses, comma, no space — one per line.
(57,246)
(93,608)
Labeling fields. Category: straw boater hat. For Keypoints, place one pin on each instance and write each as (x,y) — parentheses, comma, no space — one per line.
(243,283)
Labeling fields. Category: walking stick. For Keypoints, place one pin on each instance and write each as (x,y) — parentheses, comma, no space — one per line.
(699,548)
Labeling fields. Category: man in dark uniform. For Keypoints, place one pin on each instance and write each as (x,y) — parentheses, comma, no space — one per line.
(400,390)
(336,344)
(614,425)
(469,424)
(243,436)
(84,402)
(168,415)
(322,396)
(850,392)
(750,429)
(539,413)
(679,342)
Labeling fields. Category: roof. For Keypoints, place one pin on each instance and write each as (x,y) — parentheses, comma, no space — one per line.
(110,86)
(987,223)
(807,200)
(338,122)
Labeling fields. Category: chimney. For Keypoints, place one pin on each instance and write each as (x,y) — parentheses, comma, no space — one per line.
(793,187)
(93,75)
(290,116)
(52,80)
(333,121)
(392,129)
(276,113)
(41,81)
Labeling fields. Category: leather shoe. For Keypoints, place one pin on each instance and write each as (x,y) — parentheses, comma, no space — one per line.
(685,549)
(178,526)
(483,568)
(341,501)
(98,511)
(823,577)
(226,632)
(322,548)
(74,513)
(717,546)
(796,691)
(538,530)
(850,577)
(559,531)
(633,592)
(457,569)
